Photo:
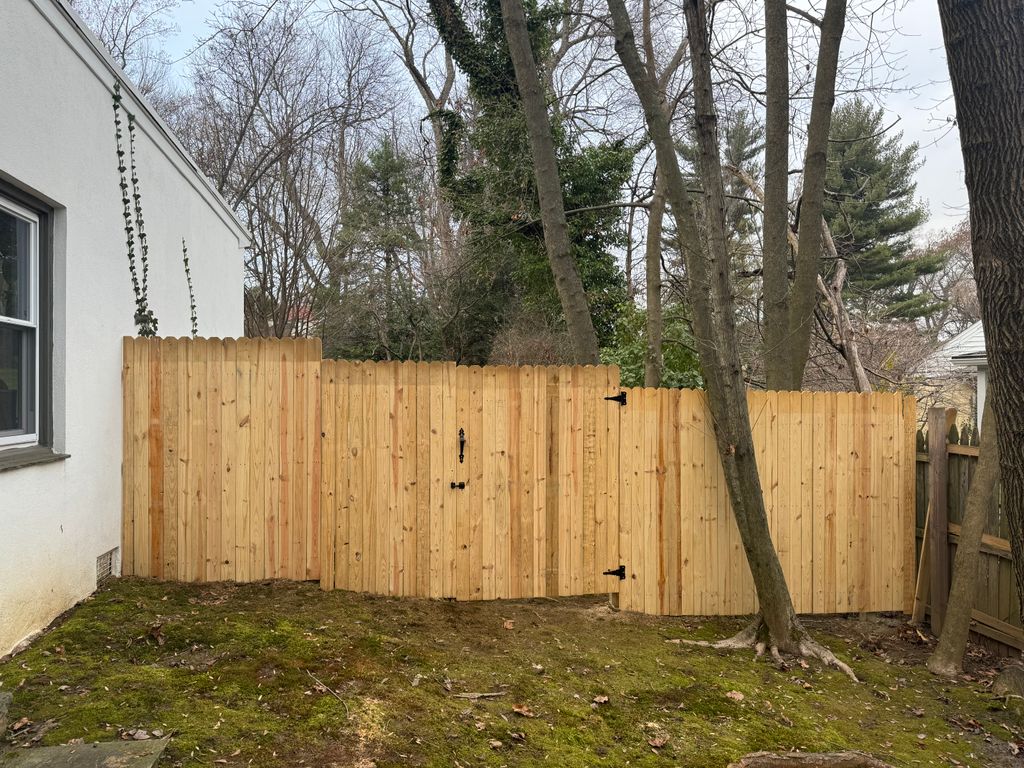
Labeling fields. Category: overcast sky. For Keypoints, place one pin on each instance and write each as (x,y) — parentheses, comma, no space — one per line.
(924,103)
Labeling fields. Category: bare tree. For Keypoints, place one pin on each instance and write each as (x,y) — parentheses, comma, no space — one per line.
(274,114)
(711,293)
(788,331)
(133,32)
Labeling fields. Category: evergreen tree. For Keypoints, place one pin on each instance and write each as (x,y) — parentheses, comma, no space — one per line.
(383,244)
(486,169)
(871,209)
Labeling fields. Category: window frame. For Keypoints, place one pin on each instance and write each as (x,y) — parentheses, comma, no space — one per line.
(14,208)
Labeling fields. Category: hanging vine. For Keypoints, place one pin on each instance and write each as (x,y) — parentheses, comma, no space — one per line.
(191,292)
(134,226)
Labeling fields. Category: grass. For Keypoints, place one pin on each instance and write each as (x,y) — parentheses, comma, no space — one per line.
(229,671)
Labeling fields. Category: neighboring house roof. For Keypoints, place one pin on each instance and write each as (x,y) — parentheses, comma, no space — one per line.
(105,68)
(967,348)
(945,360)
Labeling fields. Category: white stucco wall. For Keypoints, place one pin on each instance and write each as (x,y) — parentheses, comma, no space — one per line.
(57,143)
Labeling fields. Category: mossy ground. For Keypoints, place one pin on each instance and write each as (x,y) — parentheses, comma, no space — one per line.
(229,671)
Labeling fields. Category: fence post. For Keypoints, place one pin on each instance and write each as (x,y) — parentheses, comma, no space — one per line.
(939,422)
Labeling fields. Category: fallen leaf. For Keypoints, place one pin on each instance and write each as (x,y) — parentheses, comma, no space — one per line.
(601,699)
(508,624)
(735,695)
(495,744)
(658,741)
(523,710)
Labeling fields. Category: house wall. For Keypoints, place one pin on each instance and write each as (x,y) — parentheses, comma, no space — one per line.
(57,143)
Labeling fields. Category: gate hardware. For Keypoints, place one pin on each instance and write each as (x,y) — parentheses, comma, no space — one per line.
(460,486)
(621,570)
(621,400)
(462,445)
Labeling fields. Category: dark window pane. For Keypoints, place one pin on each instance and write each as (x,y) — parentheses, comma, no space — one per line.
(17,380)
(15,274)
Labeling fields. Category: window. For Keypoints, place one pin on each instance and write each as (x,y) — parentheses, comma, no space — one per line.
(19,325)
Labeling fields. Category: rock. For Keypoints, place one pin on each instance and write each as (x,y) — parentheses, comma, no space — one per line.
(5,704)
(125,754)
(1010,682)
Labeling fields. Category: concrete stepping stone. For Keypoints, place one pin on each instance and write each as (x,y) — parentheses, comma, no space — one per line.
(106,754)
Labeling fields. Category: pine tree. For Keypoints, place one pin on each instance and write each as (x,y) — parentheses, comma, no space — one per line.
(871,208)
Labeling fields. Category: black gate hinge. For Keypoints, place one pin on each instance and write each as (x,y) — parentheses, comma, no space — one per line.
(620,571)
(619,398)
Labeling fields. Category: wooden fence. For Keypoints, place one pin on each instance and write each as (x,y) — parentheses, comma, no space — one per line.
(221,472)
(253,459)
(950,464)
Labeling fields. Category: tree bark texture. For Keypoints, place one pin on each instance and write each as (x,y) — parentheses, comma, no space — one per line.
(803,294)
(568,283)
(948,656)
(711,298)
(802,297)
(654,362)
(985,49)
(776,250)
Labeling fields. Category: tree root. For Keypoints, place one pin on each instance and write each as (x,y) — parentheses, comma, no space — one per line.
(809,760)
(814,650)
(755,635)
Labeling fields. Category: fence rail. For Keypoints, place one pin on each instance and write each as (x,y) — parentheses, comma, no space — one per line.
(252,458)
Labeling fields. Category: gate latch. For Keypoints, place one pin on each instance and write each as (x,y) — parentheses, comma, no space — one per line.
(621,570)
(619,398)
(461,485)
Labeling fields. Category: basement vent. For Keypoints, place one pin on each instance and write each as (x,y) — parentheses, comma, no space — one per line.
(105,565)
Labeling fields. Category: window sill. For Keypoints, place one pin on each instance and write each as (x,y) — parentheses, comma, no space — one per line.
(15,458)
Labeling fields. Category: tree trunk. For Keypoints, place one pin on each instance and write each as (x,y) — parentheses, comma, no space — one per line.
(776,251)
(803,294)
(654,362)
(948,656)
(573,298)
(833,294)
(711,298)
(985,50)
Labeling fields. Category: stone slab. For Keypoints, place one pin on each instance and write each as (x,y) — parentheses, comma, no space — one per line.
(106,754)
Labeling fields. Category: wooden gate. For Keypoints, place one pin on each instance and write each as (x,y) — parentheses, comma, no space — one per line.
(469,482)
(837,472)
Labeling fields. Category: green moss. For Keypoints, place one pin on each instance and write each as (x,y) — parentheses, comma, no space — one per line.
(229,670)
